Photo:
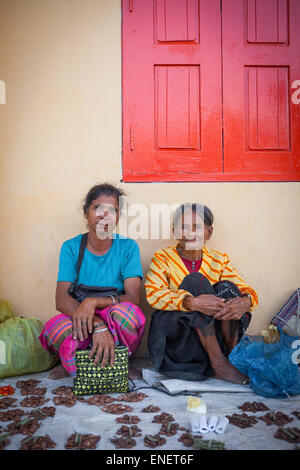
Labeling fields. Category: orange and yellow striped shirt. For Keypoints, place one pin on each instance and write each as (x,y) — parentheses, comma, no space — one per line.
(167,271)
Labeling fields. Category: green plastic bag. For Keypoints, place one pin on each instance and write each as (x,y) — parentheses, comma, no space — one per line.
(20,349)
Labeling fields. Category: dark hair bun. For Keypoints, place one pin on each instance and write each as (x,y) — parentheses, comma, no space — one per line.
(99,189)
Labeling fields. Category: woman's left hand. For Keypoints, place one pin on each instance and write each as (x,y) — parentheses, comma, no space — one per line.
(104,347)
(234,308)
(82,319)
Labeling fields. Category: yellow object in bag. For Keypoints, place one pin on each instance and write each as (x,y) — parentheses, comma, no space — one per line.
(271,335)
(20,349)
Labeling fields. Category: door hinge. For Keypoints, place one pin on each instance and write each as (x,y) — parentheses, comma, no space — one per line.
(131,6)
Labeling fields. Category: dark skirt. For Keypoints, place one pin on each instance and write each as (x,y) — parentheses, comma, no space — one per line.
(175,347)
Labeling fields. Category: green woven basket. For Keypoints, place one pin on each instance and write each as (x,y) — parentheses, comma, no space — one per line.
(91,379)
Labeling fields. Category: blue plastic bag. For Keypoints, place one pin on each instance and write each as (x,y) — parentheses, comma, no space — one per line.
(271,367)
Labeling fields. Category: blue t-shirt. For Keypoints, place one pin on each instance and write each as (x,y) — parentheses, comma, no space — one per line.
(122,261)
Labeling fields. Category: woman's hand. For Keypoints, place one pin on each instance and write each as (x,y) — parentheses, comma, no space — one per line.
(104,346)
(82,319)
(205,303)
(235,308)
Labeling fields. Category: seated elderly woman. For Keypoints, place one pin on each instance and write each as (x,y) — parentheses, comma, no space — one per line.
(202,304)
(109,260)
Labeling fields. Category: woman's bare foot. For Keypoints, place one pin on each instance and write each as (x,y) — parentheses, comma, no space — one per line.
(134,374)
(58,373)
(223,370)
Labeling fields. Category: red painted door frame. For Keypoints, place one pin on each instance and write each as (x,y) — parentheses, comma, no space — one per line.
(184,91)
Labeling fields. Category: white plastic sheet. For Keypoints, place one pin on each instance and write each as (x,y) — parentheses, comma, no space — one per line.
(84,418)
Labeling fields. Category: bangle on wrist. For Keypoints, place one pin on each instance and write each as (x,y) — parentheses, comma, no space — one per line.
(98,324)
(100,331)
(113,298)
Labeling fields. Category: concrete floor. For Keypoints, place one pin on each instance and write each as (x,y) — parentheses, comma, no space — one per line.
(85,418)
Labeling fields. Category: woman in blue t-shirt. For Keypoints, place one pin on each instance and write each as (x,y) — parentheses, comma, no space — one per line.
(109,260)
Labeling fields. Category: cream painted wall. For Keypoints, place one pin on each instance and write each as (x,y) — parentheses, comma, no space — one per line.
(60,133)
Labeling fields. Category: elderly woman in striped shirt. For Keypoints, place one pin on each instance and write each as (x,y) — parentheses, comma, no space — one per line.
(202,304)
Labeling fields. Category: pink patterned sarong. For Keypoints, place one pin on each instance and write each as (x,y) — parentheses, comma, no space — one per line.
(125,321)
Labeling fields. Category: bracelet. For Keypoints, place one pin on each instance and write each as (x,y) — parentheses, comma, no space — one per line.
(113,299)
(98,324)
(100,331)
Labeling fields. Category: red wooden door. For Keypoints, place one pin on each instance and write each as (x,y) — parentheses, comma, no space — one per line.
(171,89)
(261,60)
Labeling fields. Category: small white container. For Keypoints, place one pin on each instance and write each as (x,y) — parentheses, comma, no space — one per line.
(203,426)
(222,425)
(212,423)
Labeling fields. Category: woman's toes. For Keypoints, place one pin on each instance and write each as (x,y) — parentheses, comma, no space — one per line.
(58,373)
(227,372)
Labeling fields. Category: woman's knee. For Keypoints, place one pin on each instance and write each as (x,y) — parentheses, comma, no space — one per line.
(128,312)
(57,323)
(196,284)
(226,289)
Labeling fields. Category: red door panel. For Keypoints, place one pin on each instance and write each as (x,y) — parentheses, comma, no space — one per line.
(172,115)
(261,50)
(267,21)
(267,89)
(176,20)
(177,110)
